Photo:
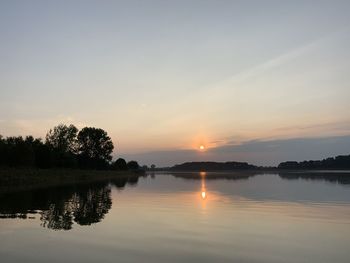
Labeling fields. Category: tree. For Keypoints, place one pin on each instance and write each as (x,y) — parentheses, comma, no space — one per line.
(120,164)
(64,147)
(2,151)
(24,152)
(133,165)
(95,146)
(43,156)
(19,151)
(63,138)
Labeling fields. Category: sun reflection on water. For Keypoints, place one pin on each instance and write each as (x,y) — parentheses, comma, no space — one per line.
(203,188)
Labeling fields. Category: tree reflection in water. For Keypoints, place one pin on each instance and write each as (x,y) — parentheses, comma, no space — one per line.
(338,177)
(121,182)
(86,205)
(61,207)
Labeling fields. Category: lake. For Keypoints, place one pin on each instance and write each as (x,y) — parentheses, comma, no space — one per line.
(182,217)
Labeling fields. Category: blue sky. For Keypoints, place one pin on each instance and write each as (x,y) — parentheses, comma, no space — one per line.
(174,75)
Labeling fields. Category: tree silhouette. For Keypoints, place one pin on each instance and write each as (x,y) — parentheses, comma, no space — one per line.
(64,147)
(338,162)
(63,138)
(16,151)
(133,165)
(95,147)
(120,164)
(43,155)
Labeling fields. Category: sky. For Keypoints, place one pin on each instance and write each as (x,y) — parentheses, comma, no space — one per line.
(255,81)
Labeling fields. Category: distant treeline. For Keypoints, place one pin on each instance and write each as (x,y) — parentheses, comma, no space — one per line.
(212,166)
(64,147)
(338,162)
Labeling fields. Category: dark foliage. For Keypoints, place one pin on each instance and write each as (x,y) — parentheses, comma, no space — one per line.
(24,152)
(62,141)
(338,162)
(63,138)
(133,165)
(44,156)
(119,165)
(64,147)
(95,148)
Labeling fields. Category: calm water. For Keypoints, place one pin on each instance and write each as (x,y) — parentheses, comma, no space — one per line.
(198,217)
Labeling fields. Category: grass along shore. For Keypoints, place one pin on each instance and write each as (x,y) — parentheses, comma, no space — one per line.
(15,179)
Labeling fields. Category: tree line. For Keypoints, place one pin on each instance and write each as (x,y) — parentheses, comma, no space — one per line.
(64,147)
(341,162)
(338,162)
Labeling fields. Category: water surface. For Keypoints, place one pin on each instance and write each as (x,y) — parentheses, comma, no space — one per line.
(182,217)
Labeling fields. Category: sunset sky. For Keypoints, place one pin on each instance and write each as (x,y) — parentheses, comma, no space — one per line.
(256,81)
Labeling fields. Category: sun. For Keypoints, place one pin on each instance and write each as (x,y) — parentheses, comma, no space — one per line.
(201,147)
